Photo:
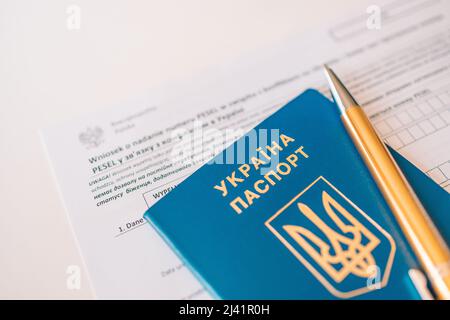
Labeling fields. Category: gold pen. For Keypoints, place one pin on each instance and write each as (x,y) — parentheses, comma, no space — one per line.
(425,240)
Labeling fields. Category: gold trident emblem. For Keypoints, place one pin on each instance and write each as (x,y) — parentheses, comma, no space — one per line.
(348,252)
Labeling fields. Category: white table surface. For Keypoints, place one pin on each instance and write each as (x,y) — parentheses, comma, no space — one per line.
(49,74)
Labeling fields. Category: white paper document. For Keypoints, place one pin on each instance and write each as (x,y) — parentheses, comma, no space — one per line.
(112,166)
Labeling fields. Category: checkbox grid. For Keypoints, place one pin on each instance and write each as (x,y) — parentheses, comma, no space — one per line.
(441,175)
(409,126)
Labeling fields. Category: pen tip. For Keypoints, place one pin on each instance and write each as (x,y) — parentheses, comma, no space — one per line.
(331,76)
(340,94)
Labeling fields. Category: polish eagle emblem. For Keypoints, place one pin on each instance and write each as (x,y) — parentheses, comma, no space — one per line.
(92,137)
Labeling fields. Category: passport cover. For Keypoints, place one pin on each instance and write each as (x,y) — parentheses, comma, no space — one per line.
(298,218)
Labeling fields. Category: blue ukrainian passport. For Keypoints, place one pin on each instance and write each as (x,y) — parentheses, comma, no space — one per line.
(289,211)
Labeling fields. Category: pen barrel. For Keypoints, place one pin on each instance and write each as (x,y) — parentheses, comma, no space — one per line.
(424,238)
